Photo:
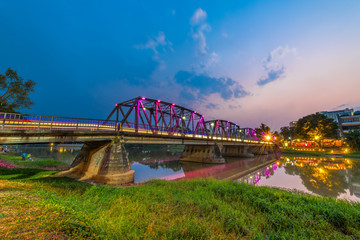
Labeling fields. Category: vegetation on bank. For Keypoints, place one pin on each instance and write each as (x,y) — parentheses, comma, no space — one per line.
(289,151)
(34,203)
(293,152)
(353,155)
(34,162)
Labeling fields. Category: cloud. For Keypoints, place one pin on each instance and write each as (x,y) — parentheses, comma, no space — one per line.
(273,58)
(212,106)
(272,75)
(213,58)
(200,86)
(234,106)
(156,44)
(138,68)
(340,106)
(273,66)
(198,16)
(199,27)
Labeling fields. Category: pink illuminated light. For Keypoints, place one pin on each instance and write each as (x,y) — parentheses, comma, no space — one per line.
(143,98)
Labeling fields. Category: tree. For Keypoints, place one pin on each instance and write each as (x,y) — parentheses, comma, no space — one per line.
(261,131)
(316,127)
(353,139)
(15,92)
(287,132)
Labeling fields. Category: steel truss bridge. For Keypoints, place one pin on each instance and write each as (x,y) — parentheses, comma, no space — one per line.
(139,120)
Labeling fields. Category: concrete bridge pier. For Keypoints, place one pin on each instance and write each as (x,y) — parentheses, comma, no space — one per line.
(202,154)
(102,162)
(237,151)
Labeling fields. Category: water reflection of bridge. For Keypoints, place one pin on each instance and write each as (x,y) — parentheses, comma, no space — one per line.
(103,156)
(321,176)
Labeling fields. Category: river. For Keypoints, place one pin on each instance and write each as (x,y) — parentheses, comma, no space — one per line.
(322,176)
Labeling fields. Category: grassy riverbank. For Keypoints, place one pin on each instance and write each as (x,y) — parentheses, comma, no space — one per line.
(32,204)
(289,151)
(293,152)
(33,163)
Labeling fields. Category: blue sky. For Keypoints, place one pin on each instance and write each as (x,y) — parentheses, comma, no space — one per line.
(245,61)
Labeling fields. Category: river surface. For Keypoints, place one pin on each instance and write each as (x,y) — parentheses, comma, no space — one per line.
(328,177)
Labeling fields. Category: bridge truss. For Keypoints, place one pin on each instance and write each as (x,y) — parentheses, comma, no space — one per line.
(140,116)
(157,116)
(224,128)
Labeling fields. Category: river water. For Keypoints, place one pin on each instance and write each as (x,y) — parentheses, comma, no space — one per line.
(328,177)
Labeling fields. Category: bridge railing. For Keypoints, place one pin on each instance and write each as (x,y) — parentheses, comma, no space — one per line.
(15,121)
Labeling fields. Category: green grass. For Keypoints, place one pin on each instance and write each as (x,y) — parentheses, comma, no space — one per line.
(293,152)
(353,155)
(288,151)
(34,163)
(187,209)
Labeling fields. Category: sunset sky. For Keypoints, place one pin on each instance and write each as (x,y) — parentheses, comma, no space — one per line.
(244,61)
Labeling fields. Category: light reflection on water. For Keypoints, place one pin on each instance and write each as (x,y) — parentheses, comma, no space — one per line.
(166,165)
(328,177)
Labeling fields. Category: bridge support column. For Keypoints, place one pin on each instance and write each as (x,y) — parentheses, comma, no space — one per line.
(237,151)
(202,154)
(102,162)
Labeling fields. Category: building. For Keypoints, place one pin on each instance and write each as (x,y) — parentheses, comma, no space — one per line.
(335,114)
(349,122)
(292,123)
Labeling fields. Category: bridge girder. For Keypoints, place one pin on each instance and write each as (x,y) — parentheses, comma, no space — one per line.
(157,115)
(222,128)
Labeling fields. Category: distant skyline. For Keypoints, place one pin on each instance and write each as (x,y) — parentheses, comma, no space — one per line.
(245,61)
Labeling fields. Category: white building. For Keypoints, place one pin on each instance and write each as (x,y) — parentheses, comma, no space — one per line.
(336,114)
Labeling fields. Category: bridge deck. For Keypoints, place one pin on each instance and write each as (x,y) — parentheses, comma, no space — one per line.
(56,136)
(20,129)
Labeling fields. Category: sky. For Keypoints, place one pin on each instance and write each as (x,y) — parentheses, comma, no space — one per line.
(248,62)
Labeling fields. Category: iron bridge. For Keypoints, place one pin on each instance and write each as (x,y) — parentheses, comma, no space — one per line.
(139,120)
